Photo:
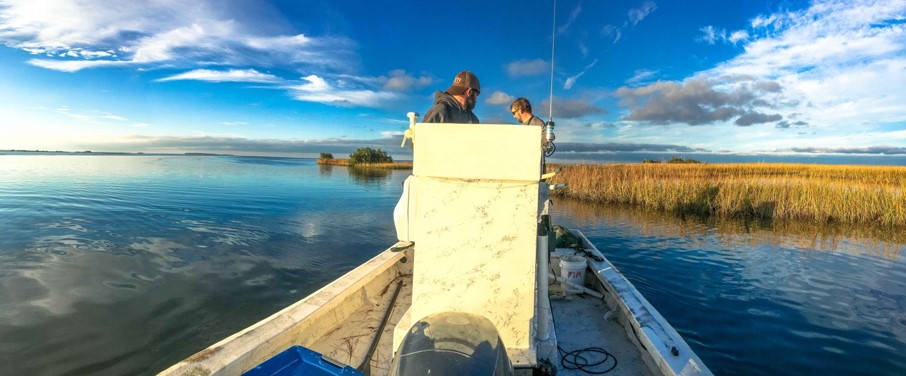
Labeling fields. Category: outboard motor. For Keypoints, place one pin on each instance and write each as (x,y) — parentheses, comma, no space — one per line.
(454,344)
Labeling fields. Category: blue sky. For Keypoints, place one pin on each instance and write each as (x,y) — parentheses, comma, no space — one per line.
(300,77)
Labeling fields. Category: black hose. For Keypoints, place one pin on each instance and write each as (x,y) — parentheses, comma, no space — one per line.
(365,367)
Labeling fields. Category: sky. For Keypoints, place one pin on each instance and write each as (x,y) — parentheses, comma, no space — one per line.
(296,78)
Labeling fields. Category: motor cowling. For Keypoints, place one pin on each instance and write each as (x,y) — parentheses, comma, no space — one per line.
(452,343)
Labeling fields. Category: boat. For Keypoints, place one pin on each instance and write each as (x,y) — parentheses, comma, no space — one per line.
(478,282)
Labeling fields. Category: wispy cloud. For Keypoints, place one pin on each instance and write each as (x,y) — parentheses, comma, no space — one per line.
(232,75)
(211,41)
(314,88)
(712,35)
(75,65)
(613,32)
(72,36)
(527,67)
(339,90)
(91,116)
(573,15)
(640,76)
(636,15)
(570,81)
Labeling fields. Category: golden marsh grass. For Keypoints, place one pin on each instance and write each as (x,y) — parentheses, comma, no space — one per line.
(823,193)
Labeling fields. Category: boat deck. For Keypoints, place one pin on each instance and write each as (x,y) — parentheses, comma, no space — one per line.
(580,321)
(349,342)
(340,320)
(582,325)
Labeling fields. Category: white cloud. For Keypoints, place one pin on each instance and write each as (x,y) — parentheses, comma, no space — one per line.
(315,84)
(75,65)
(500,98)
(570,81)
(573,15)
(232,75)
(399,80)
(206,40)
(840,62)
(527,67)
(636,15)
(90,116)
(738,36)
(612,31)
(833,72)
(317,89)
(95,33)
(641,75)
(712,35)
(389,134)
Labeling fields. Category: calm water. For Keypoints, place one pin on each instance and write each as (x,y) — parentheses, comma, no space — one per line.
(756,300)
(123,265)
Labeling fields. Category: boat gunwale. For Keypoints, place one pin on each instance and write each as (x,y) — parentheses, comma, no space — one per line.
(254,344)
(647,325)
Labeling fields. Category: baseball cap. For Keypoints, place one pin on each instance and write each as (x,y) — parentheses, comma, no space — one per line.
(463,80)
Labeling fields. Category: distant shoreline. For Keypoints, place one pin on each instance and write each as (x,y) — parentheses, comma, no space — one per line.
(89,152)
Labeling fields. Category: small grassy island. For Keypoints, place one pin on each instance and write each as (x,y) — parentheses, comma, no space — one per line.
(365,157)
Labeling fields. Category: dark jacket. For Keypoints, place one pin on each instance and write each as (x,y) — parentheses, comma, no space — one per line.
(447,110)
(534,120)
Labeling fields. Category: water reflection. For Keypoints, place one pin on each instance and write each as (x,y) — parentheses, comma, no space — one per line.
(326,170)
(154,258)
(369,177)
(741,292)
(854,240)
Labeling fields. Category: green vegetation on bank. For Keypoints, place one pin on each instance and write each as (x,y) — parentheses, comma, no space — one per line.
(365,157)
(672,160)
(369,155)
(822,193)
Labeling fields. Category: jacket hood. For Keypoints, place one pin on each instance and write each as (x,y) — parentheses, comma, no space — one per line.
(443,97)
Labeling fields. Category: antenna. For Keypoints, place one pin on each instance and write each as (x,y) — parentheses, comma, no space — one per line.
(549,147)
(550,116)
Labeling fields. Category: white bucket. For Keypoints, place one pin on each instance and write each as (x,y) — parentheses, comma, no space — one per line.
(572,269)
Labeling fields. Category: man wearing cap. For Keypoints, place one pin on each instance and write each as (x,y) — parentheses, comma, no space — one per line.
(456,104)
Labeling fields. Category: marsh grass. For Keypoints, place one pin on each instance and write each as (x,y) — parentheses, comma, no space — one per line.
(823,193)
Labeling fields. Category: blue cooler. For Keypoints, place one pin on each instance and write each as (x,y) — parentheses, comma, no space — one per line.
(298,360)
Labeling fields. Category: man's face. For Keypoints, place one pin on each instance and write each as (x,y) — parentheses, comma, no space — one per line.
(517,114)
(472,99)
